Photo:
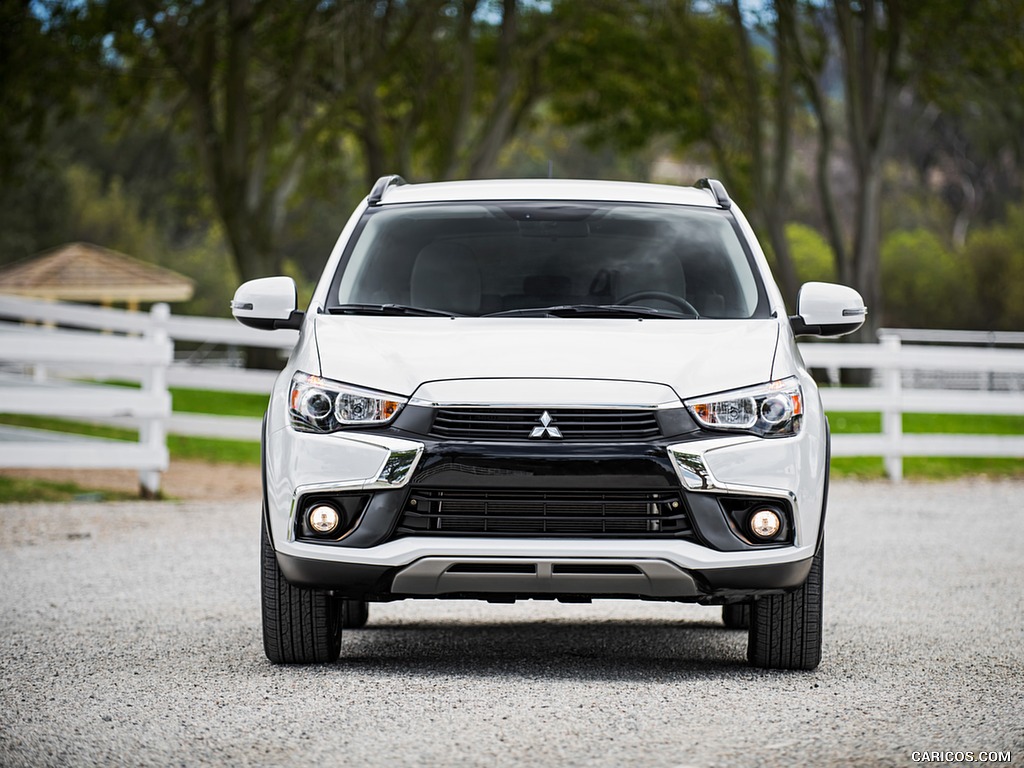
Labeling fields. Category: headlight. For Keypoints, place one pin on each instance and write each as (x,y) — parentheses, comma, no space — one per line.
(322,405)
(769,410)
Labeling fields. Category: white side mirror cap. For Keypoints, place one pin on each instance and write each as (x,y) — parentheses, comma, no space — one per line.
(827,309)
(268,303)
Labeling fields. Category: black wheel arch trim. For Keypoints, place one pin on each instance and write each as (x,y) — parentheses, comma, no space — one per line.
(824,492)
(263,479)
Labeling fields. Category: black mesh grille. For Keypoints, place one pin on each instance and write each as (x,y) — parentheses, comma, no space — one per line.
(561,513)
(527,423)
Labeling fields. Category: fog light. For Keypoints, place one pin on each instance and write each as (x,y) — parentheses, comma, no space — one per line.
(324,519)
(765,523)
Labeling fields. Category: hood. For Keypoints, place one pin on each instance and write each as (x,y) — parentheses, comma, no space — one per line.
(400,354)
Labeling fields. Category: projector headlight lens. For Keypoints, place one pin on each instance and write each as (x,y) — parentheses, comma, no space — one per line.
(316,404)
(769,410)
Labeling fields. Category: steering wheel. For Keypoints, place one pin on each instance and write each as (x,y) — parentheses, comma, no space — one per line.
(678,301)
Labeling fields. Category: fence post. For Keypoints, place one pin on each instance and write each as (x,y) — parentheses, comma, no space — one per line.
(892,416)
(152,431)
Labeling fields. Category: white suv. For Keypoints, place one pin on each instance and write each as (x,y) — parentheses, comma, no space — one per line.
(545,389)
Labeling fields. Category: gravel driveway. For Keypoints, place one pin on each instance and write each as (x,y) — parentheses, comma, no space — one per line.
(131,637)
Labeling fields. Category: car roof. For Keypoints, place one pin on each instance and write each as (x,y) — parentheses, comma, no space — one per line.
(547,189)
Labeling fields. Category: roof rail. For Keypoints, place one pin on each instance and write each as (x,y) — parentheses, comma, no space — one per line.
(717,189)
(377,193)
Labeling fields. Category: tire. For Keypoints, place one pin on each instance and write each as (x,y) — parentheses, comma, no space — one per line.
(354,613)
(736,615)
(785,630)
(300,626)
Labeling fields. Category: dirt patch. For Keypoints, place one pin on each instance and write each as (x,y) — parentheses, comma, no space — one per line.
(183,479)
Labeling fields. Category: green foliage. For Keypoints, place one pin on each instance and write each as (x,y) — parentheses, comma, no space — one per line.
(923,282)
(110,215)
(39,75)
(994,258)
(201,142)
(627,70)
(811,255)
(304,286)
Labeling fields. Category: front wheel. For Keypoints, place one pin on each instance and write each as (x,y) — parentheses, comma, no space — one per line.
(785,630)
(300,626)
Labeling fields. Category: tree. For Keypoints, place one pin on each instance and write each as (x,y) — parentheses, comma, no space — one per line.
(449,88)
(869,42)
(969,108)
(703,76)
(272,92)
(238,72)
(885,49)
(38,82)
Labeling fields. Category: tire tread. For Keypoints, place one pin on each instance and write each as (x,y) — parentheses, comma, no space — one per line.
(300,626)
(786,630)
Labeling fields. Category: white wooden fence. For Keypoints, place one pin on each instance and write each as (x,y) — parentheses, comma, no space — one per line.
(149,347)
(143,359)
(892,400)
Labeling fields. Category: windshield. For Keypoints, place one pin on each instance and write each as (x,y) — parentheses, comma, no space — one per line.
(521,258)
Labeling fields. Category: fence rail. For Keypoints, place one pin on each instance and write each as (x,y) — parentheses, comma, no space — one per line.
(144,359)
(147,353)
(892,357)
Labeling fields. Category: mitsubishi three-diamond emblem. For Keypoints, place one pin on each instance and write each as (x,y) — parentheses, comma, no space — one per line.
(545,428)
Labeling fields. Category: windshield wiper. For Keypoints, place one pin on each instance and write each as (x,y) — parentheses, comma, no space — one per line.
(592,310)
(388,309)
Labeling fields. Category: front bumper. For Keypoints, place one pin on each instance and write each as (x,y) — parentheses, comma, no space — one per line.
(713,565)
(475,576)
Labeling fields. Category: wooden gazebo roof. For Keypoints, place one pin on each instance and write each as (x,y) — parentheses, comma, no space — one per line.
(89,273)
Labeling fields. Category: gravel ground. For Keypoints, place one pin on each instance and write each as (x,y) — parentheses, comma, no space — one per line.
(131,637)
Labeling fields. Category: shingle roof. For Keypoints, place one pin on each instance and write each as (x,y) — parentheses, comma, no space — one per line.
(86,272)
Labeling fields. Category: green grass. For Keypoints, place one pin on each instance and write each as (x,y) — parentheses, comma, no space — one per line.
(179,446)
(222,403)
(929,424)
(929,467)
(210,401)
(17,489)
(213,450)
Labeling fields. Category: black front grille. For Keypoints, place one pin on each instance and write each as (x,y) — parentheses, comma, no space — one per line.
(561,513)
(529,423)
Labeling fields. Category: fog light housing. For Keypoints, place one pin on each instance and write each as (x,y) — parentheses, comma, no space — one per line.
(765,523)
(324,519)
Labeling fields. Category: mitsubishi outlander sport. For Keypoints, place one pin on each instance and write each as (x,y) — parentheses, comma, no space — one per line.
(545,389)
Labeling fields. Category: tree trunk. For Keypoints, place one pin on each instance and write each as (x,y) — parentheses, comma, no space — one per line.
(867,239)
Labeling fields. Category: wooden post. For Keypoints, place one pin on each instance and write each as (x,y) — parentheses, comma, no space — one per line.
(892,416)
(153,431)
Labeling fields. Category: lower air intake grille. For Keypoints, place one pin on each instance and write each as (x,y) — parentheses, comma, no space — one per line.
(562,513)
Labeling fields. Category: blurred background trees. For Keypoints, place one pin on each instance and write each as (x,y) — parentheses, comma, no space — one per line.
(876,142)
